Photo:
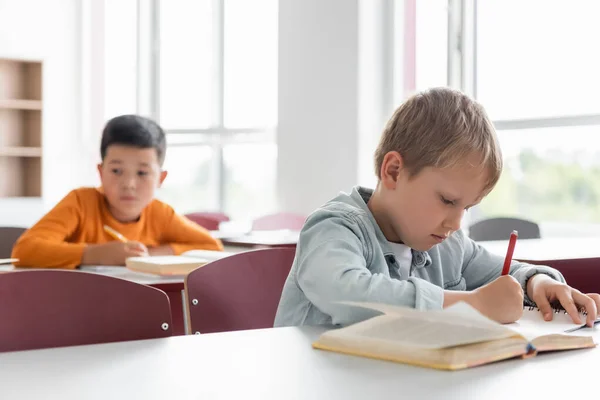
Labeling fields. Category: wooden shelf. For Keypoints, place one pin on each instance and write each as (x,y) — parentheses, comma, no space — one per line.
(20,128)
(21,104)
(20,151)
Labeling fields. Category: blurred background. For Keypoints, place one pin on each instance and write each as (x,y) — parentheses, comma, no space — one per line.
(277,105)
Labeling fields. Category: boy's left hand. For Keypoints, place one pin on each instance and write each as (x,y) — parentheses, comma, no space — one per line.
(542,289)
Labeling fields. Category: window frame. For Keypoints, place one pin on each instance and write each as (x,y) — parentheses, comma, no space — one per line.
(148,97)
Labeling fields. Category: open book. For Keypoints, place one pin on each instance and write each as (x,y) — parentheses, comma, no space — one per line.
(174,265)
(455,338)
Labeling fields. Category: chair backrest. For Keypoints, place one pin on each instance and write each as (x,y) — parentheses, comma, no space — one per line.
(52,308)
(237,292)
(279,221)
(500,229)
(582,273)
(8,238)
(219,216)
(208,220)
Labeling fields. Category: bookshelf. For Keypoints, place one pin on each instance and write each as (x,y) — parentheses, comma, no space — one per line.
(20,128)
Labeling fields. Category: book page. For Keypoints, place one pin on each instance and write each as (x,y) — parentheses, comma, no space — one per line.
(425,330)
(419,333)
(458,313)
(532,324)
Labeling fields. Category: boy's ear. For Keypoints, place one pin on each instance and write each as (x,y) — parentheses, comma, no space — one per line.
(100,170)
(390,169)
(161,179)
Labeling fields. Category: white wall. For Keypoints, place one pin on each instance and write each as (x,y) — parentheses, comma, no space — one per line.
(332,98)
(49,30)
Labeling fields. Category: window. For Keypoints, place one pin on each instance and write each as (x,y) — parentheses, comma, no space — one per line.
(250,64)
(190,183)
(528,68)
(431,36)
(217,92)
(120,57)
(538,84)
(206,70)
(186,36)
(253,181)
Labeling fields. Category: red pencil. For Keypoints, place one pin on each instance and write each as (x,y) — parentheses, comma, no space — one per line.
(509,252)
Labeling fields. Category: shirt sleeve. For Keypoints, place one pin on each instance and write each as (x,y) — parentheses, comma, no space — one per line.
(332,267)
(44,245)
(182,234)
(481,267)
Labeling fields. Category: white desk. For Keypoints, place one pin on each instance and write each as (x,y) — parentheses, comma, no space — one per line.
(257,239)
(133,276)
(119,272)
(276,364)
(548,249)
(151,279)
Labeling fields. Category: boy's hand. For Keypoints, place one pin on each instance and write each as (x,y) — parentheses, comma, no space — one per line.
(500,300)
(112,253)
(543,290)
(162,250)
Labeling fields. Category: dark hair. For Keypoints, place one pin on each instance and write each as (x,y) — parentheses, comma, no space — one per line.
(134,131)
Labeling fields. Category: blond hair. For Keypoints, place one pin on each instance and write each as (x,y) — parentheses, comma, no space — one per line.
(439,128)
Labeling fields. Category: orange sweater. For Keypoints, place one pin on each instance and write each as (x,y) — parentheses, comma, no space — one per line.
(59,238)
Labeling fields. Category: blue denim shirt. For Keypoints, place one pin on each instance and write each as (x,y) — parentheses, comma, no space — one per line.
(343,255)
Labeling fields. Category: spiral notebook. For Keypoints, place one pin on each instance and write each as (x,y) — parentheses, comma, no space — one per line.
(532,320)
(454,338)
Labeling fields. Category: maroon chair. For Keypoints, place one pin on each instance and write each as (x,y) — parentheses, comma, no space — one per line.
(582,274)
(219,216)
(237,292)
(8,237)
(276,221)
(53,308)
(208,220)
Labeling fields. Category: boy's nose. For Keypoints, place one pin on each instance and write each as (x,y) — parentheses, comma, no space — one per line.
(453,221)
(129,182)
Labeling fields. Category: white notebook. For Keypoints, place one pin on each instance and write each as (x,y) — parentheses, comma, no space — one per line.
(174,265)
(532,323)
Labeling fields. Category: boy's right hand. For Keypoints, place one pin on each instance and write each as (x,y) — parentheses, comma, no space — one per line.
(500,300)
(112,253)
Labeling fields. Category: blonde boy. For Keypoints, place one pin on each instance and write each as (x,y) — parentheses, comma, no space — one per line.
(72,233)
(401,243)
